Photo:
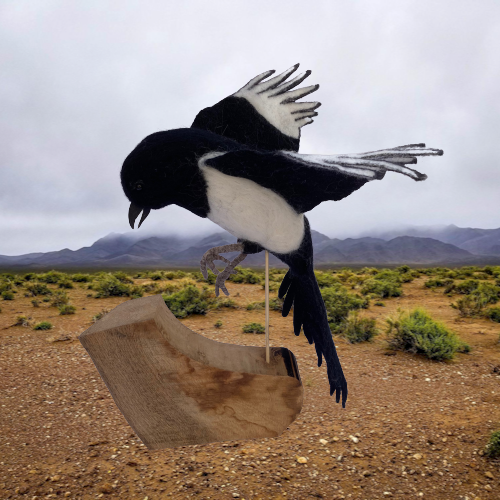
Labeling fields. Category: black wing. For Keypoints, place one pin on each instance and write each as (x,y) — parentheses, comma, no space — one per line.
(263,114)
(307,180)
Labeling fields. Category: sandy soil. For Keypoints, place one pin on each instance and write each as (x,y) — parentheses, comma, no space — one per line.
(411,428)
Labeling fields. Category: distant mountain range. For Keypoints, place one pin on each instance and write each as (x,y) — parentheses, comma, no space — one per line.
(434,245)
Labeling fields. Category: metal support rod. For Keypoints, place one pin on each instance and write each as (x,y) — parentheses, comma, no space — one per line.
(267,306)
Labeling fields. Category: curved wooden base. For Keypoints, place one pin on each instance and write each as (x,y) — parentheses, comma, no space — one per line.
(178,388)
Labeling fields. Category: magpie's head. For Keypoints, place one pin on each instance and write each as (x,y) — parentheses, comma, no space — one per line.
(147,177)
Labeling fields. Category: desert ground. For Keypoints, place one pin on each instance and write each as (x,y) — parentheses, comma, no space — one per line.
(412,427)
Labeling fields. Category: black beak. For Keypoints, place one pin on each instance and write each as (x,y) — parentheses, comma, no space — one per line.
(133,213)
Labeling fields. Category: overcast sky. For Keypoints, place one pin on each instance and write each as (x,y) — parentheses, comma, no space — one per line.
(82,82)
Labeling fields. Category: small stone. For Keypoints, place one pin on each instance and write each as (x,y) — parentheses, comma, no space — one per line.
(67,494)
(417,456)
(55,478)
(106,488)
(354,439)
(488,487)
(236,495)
(427,379)
(335,438)
(366,473)
(226,469)
(323,441)
(387,494)
(489,475)
(302,460)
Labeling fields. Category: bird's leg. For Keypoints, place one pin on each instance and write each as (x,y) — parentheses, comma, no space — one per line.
(212,255)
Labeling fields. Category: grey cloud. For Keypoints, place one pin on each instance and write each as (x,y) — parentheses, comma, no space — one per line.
(83,82)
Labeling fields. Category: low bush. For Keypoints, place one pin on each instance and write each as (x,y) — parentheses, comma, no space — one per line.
(418,333)
(66,284)
(438,282)
(173,275)
(157,276)
(59,298)
(43,325)
(22,321)
(5,286)
(108,285)
(326,279)
(38,289)
(36,303)
(81,278)
(136,291)
(52,277)
(338,303)
(123,277)
(189,300)
(8,295)
(67,309)
(381,288)
(465,287)
(492,449)
(253,328)
(29,276)
(474,303)
(218,324)
(252,306)
(245,275)
(493,313)
(150,287)
(356,329)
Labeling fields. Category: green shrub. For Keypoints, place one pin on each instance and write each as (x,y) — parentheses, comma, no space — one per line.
(59,298)
(255,305)
(46,299)
(220,302)
(189,300)
(36,303)
(43,325)
(67,309)
(51,277)
(218,324)
(7,295)
(5,286)
(245,275)
(66,284)
(169,288)
(381,288)
(38,289)
(356,329)
(493,313)
(81,278)
(326,279)
(379,304)
(492,449)
(157,275)
(110,286)
(473,304)
(136,291)
(253,328)
(418,333)
(338,303)
(123,277)
(466,287)
(171,275)
(29,276)
(276,304)
(438,282)
(150,287)
(22,321)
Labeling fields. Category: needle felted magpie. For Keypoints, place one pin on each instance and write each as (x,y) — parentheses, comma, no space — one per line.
(239,166)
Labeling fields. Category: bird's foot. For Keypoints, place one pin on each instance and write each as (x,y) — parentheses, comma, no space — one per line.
(214,254)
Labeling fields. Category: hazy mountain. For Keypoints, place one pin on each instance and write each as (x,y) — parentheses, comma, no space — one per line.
(475,240)
(447,245)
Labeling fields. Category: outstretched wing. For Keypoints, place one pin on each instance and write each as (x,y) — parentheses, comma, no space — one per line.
(307,180)
(264,113)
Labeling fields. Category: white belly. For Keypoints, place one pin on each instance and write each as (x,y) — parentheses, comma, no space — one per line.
(252,212)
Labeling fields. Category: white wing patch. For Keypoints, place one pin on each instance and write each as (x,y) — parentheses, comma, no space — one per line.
(374,164)
(275,101)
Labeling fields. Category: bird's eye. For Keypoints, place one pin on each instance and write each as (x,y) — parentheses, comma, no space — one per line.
(138,185)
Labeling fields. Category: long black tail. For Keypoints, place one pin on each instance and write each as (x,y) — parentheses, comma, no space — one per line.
(300,289)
